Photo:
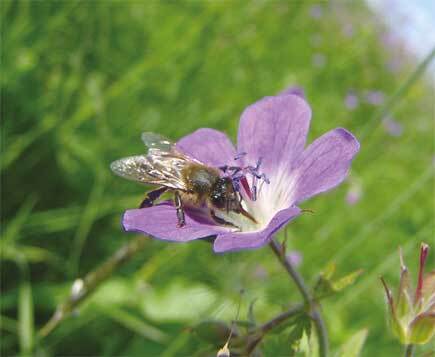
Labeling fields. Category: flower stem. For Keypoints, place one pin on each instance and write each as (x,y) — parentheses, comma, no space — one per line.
(409,350)
(257,335)
(279,319)
(83,288)
(320,327)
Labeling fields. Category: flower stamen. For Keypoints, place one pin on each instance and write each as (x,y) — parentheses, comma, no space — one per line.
(239,176)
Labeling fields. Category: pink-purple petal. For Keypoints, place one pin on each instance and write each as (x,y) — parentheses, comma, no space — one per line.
(274,129)
(232,241)
(161,221)
(209,146)
(324,164)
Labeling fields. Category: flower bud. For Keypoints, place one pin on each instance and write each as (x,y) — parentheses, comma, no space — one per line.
(412,313)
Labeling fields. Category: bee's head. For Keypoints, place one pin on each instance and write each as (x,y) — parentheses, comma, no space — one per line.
(223,196)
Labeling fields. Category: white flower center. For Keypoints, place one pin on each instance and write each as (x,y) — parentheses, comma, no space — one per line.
(271,198)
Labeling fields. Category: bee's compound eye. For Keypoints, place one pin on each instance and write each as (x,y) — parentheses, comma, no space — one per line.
(218,200)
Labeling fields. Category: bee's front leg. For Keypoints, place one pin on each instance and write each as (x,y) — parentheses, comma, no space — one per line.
(180,211)
(152,196)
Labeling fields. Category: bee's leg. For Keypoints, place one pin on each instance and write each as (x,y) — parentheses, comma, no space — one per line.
(180,210)
(152,196)
(219,220)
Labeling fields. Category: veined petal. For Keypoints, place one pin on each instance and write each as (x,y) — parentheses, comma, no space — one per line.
(209,146)
(161,221)
(324,164)
(274,129)
(232,241)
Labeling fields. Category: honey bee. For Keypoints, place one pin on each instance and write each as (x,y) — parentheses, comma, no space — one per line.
(193,183)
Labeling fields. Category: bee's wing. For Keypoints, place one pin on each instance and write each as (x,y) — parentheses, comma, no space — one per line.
(156,168)
(157,141)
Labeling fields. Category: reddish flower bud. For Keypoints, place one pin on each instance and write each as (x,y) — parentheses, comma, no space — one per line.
(412,318)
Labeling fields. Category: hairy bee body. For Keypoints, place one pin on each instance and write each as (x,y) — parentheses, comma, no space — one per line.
(194,184)
(199,181)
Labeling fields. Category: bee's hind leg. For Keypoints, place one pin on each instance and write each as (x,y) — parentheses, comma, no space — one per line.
(180,210)
(152,196)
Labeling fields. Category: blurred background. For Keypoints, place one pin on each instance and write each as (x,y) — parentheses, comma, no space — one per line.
(80,82)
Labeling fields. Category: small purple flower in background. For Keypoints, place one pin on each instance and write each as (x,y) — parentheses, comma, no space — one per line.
(260,272)
(348,30)
(354,194)
(295,258)
(319,60)
(389,39)
(316,11)
(375,97)
(412,312)
(395,64)
(316,40)
(351,100)
(392,127)
(272,137)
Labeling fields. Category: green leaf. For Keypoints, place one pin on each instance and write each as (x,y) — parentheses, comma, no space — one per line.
(25,317)
(135,323)
(347,280)
(353,346)
(8,324)
(31,254)
(302,325)
(13,229)
(329,271)
(179,301)
(325,286)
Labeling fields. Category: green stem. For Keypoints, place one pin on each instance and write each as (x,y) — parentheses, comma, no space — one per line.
(257,335)
(83,288)
(409,350)
(279,319)
(320,327)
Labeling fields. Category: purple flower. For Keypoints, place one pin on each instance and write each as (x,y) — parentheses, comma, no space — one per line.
(392,127)
(295,258)
(273,131)
(375,97)
(348,30)
(395,64)
(351,101)
(316,11)
(318,60)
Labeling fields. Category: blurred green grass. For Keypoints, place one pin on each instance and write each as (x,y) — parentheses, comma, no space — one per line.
(80,82)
